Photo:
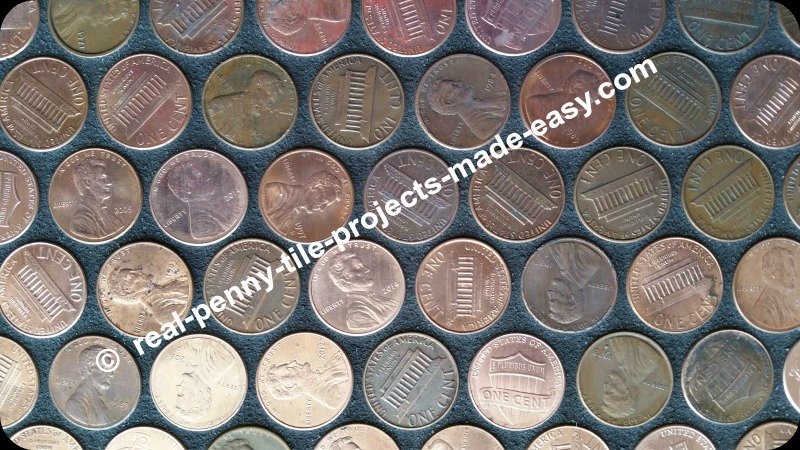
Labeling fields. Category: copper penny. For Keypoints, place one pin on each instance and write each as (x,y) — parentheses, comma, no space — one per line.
(42,289)
(198,197)
(95,196)
(462,437)
(18,28)
(141,438)
(19,382)
(567,437)
(357,101)
(20,197)
(463,285)
(144,101)
(409,27)
(513,27)
(196,26)
(721,26)
(43,103)
(45,437)
(305,194)
(791,376)
(675,437)
(791,191)
(462,101)
(768,436)
(356,436)
(789,23)
(304,27)
(619,27)
(248,438)
(93,29)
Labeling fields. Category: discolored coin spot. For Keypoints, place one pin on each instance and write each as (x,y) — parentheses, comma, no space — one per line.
(619,26)
(510,27)
(723,26)
(18,28)
(304,27)
(409,28)
(20,199)
(196,27)
(93,29)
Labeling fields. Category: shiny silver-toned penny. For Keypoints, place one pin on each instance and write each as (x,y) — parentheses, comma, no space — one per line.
(142,438)
(768,436)
(764,100)
(510,27)
(462,437)
(357,101)
(18,28)
(462,101)
(569,284)
(42,289)
(463,285)
(518,198)
(678,105)
(410,381)
(567,437)
(19,386)
(791,191)
(788,23)
(622,194)
(250,101)
(43,103)
(250,264)
(248,438)
(45,437)
(95,28)
(304,27)
(95,196)
(94,382)
(791,376)
(723,26)
(304,380)
(766,288)
(624,379)
(409,28)
(727,377)
(619,27)
(196,26)
(198,382)
(675,285)
(396,174)
(356,436)
(20,199)
(675,437)
(144,101)
(305,194)
(198,197)
(358,289)
(516,381)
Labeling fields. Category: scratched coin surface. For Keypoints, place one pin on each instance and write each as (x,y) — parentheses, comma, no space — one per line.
(789,23)
(622,194)
(144,101)
(268,297)
(94,28)
(518,198)
(624,379)
(418,220)
(42,289)
(568,437)
(723,26)
(95,195)
(765,99)
(305,194)
(516,381)
(619,27)
(766,288)
(513,27)
(727,377)
(675,437)
(43,103)
(791,376)
(768,436)
(20,197)
(410,381)
(250,101)
(198,197)
(19,382)
(409,27)
(196,26)
(304,27)
(304,380)
(462,437)
(358,289)
(198,382)
(18,28)
(463,285)
(357,101)
(569,284)
(248,438)
(94,382)
(356,436)
(564,84)
(462,101)
(791,191)
(45,437)
(141,438)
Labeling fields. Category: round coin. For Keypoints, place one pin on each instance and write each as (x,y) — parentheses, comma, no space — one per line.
(356,436)
(791,376)
(768,436)
(20,382)
(462,101)
(304,27)
(45,437)
(723,27)
(512,28)
(788,23)
(18,28)
(619,27)
(198,197)
(518,198)
(462,437)
(675,437)
(196,27)
(93,29)
(20,199)
(409,28)
(144,438)
(567,437)
(248,438)
(791,191)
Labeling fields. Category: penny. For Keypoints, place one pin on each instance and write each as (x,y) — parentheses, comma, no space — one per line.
(399,172)
(678,105)
(144,438)
(18,28)
(198,382)
(250,101)
(622,194)
(516,381)
(248,438)
(410,381)
(304,27)
(791,376)
(356,436)
(765,285)
(567,437)
(42,289)
(463,285)
(768,436)
(569,284)
(788,23)
(553,87)
(513,28)
(144,101)
(358,289)
(619,27)
(20,197)
(357,101)
(791,191)
(675,437)
(304,380)
(462,101)
(727,376)
(305,194)
(765,97)
(196,26)
(43,103)
(723,27)
(462,437)
(409,27)
(247,263)
(95,196)
(19,382)
(624,379)
(93,29)
(45,437)
(198,197)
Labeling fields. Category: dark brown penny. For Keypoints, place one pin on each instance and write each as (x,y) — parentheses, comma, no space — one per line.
(18,28)
(45,437)
(196,26)
(791,191)
(20,197)
(409,27)
(19,382)
(619,26)
(788,23)
(93,29)
(768,436)
(304,27)
(513,27)
(723,26)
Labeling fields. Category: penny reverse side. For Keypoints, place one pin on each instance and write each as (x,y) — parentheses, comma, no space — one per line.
(142,438)
(248,438)
(767,436)
(462,437)
(356,436)
(409,28)
(95,28)
(675,437)
(45,437)
(567,437)
(304,27)
(196,26)
(619,27)
(18,28)
(19,382)
(20,197)
(513,28)
(791,191)
(723,26)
